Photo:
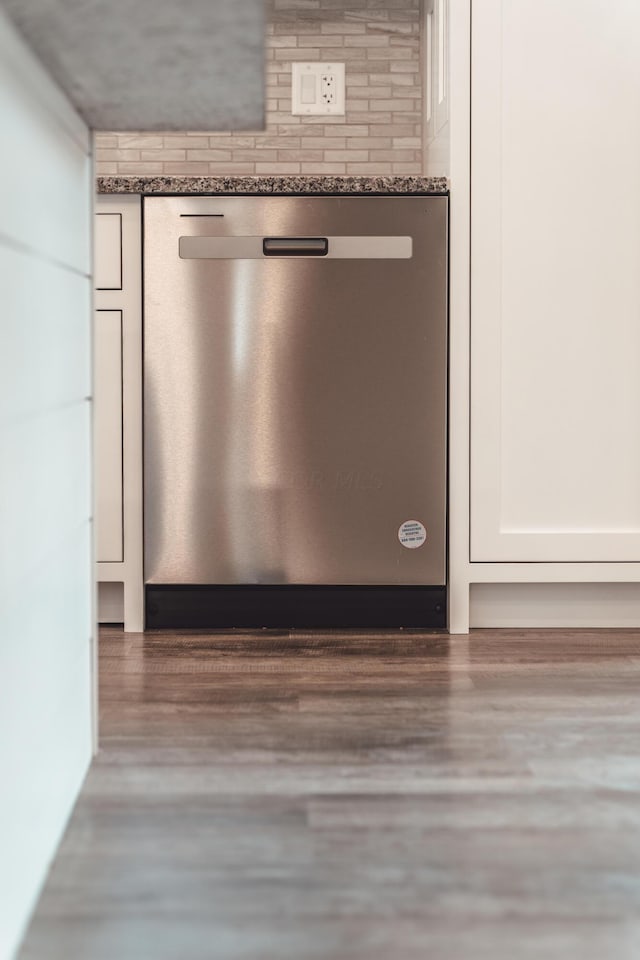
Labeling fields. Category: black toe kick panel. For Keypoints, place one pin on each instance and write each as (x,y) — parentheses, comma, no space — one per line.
(289,607)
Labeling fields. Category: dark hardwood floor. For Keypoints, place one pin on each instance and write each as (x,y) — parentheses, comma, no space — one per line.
(380,796)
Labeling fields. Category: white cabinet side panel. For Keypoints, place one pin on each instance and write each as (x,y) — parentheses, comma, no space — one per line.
(555,448)
(46,616)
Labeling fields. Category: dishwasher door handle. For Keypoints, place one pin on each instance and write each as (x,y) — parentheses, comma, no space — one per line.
(295,246)
(327,248)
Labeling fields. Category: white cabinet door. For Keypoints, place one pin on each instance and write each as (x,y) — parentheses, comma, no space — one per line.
(108,435)
(555,281)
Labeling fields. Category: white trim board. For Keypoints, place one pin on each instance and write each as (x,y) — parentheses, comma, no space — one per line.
(523,605)
(459,322)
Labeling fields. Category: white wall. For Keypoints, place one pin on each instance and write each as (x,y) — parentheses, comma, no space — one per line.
(46,611)
(436,155)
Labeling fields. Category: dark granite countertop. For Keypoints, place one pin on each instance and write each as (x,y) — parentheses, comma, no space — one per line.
(274,185)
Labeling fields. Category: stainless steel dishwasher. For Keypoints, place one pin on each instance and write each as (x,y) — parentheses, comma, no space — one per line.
(295,396)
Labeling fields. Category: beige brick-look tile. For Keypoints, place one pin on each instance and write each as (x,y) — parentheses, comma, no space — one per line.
(407,169)
(413,93)
(409,117)
(119,155)
(372,118)
(393,156)
(277,168)
(367,41)
(224,169)
(375,93)
(342,28)
(331,169)
(306,53)
(391,79)
(405,67)
(412,42)
(340,4)
(372,66)
(162,154)
(301,27)
(356,80)
(369,143)
(239,143)
(332,45)
(141,169)
(369,16)
(299,129)
(277,143)
(394,130)
(348,54)
(342,156)
(255,155)
(297,4)
(187,168)
(390,104)
(140,142)
(185,142)
(312,156)
(105,140)
(381,133)
(326,143)
(362,169)
(407,143)
(396,27)
(391,53)
(201,155)
(347,130)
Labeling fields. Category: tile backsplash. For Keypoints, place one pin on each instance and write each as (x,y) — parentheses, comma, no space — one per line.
(381,133)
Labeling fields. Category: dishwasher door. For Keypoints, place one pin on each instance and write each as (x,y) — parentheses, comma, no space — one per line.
(295,390)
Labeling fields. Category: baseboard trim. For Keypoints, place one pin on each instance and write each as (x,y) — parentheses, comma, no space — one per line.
(110,602)
(289,607)
(589,605)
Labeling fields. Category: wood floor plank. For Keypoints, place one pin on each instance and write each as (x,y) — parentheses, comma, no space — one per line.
(379,795)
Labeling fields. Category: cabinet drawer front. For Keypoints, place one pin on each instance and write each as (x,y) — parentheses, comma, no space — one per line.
(108,435)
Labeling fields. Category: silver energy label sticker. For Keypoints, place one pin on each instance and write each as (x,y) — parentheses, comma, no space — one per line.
(412,534)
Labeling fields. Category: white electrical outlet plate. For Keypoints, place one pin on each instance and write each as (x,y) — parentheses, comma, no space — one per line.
(317,89)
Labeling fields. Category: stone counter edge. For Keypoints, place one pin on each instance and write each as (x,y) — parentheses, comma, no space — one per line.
(273,185)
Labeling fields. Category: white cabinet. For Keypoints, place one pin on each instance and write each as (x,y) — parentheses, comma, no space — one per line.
(544,441)
(555,281)
(118,402)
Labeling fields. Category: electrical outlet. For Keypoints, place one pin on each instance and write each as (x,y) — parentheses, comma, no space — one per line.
(317,89)
(328,88)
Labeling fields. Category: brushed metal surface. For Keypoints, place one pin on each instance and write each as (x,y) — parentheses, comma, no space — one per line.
(295,408)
